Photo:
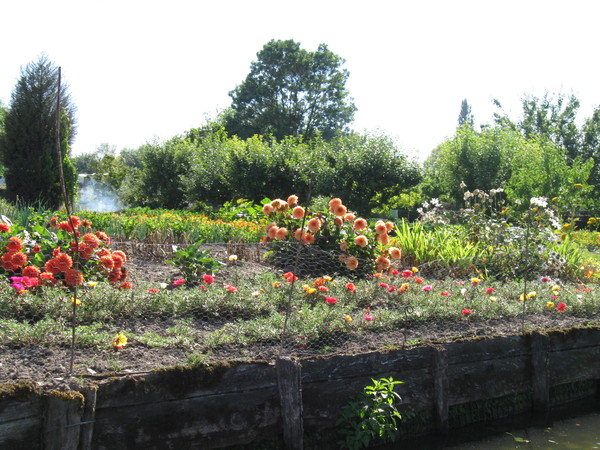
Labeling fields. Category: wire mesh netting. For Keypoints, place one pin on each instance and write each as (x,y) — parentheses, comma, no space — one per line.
(275,298)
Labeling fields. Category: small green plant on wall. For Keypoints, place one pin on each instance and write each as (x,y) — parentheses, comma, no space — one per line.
(370,415)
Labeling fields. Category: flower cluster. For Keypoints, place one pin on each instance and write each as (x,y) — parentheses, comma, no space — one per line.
(49,257)
(332,228)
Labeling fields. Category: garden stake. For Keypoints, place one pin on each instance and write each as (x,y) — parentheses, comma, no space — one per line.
(68,209)
(525,274)
(288,306)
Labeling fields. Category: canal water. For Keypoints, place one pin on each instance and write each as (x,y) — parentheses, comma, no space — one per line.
(580,432)
(576,426)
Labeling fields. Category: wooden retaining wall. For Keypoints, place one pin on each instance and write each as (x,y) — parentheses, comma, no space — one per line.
(296,402)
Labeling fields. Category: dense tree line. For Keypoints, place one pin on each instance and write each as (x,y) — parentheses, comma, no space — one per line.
(541,154)
(286,132)
(209,167)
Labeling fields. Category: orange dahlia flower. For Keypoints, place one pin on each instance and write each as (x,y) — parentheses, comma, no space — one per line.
(361,241)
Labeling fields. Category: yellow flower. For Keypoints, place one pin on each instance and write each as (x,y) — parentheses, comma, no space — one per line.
(591,221)
(531,294)
(276,284)
(92,283)
(255,294)
(493,299)
(554,199)
(555,288)
(327,278)
(415,270)
(566,227)
(475,280)
(232,257)
(522,298)
(76,301)
(348,318)
(578,185)
(120,340)
(309,290)
(550,304)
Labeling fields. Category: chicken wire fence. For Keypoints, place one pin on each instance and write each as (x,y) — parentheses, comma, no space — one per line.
(279,298)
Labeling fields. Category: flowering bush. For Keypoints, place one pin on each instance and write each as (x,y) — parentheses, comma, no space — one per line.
(40,256)
(351,245)
(515,241)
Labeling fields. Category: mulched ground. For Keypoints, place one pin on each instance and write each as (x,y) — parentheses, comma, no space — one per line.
(49,366)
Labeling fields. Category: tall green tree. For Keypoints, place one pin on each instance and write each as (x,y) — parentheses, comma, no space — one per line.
(3,111)
(28,147)
(465,117)
(291,92)
(551,117)
(590,148)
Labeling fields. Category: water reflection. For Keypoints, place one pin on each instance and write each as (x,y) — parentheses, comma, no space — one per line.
(575,433)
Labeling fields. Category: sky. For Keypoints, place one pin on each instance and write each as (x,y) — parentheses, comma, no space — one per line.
(144,70)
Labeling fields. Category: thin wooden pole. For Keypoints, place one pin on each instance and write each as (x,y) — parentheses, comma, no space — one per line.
(68,209)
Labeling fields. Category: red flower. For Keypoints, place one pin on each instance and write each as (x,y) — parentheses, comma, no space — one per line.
(15,244)
(445,293)
(351,287)
(208,279)
(368,316)
(561,307)
(384,285)
(407,273)
(231,288)
(545,279)
(73,277)
(489,290)
(331,300)
(466,312)
(126,285)
(289,277)
(178,282)
(4,227)
(418,280)
(31,271)
(323,288)
(395,272)
(153,291)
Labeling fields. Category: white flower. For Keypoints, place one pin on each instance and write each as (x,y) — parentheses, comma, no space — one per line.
(163,285)
(539,201)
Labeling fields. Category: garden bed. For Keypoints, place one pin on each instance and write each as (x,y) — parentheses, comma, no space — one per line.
(48,365)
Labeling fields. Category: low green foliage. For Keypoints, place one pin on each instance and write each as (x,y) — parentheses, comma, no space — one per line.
(193,262)
(370,415)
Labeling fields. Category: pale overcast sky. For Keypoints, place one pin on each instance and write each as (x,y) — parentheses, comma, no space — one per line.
(139,70)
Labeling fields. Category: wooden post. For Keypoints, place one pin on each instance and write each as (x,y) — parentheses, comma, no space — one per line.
(539,371)
(290,395)
(62,421)
(440,389)
(87,419)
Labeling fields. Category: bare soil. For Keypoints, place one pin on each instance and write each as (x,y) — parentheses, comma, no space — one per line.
(49,366)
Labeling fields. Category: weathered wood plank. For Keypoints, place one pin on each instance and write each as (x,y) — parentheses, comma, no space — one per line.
(290,394)
(212,421)
(440,388)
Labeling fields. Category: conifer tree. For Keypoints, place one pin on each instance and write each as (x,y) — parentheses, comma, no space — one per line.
(28,146)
